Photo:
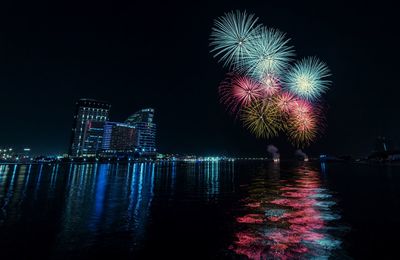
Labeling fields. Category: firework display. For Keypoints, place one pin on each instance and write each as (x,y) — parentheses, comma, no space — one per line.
(266,88)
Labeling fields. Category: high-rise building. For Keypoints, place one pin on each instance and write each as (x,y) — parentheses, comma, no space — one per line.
(86,110)
(93,138)
(143,121)
(119,138)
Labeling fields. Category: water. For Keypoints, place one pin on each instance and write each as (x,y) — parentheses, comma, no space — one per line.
(256,210)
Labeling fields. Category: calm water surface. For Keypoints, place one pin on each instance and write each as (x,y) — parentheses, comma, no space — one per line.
(256,210)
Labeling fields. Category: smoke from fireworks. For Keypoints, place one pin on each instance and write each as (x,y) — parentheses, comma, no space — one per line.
(268,93)
(300,154)
(273,151)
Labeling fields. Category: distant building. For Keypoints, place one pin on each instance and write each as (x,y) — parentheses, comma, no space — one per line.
(86,110)
(143,121)
(119,138)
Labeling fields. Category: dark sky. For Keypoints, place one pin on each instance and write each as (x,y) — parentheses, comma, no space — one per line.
(156,54)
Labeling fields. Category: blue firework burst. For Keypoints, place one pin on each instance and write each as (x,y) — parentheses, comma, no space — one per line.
(307,78)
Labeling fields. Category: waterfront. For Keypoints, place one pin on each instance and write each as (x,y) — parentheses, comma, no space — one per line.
(203,210)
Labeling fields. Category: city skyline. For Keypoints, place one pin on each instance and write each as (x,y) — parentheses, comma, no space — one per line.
(94,134)
(63,56)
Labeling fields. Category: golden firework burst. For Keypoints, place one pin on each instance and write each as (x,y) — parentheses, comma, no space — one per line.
(263,119)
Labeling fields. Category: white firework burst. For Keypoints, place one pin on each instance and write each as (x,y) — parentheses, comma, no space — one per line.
(269,53)
(307,78)
(231,36)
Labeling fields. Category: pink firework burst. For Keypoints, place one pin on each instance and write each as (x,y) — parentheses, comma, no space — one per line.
(285,102)
(304,123)
(239,91)
(246,90)
(270,84)
(303,129)
(301,107)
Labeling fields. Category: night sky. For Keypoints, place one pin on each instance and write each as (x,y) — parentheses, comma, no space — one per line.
(156,54)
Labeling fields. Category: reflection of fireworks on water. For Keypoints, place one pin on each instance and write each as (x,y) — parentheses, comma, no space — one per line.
(298,223)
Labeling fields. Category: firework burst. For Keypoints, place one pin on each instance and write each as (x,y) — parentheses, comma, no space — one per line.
(302,129)
(239,91)
(268,53)
(270,84)
(307,78)
(301,107)
(285,102)
(305,122)
(231,36)
(262,119)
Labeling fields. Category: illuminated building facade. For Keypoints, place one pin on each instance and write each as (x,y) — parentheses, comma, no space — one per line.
(86,110)
(93,138)
(119,139)
(143,121)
